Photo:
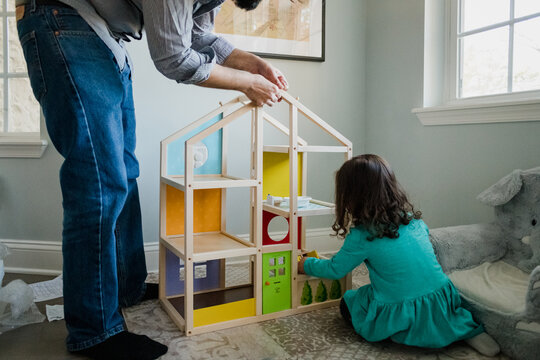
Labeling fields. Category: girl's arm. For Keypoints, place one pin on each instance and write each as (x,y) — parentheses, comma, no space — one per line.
(352,253)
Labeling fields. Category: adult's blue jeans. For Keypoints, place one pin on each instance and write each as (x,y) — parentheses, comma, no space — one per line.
(87,102)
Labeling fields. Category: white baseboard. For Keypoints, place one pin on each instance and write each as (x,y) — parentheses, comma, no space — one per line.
(33,257)
(45,257)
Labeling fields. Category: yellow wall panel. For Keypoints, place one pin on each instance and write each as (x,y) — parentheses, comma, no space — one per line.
(207,210)
(276,174)
(224,312)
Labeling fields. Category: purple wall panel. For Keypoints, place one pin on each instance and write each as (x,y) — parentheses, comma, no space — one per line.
(175,286)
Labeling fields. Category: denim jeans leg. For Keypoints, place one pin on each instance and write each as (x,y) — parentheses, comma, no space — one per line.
(129,239)
(130,251)
(82,92)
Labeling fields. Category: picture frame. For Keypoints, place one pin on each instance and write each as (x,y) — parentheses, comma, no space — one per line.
(280,29)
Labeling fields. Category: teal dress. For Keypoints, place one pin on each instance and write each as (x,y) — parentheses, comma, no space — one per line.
(410,300)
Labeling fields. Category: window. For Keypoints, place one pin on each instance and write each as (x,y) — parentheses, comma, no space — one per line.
(496,47)
(481,62)
(19,110)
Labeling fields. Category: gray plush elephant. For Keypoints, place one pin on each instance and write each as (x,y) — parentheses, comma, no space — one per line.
(496,266)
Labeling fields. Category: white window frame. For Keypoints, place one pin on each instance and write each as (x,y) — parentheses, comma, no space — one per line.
(15,144)
(448,109)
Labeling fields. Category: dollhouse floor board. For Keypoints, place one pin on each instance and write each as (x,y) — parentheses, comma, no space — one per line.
(319,334)
(214,298)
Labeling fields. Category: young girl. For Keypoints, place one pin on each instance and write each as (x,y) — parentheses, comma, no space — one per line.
(410,300)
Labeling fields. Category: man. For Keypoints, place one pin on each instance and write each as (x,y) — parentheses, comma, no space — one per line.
(80,74)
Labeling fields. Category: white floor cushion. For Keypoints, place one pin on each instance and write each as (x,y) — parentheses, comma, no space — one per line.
(498,285)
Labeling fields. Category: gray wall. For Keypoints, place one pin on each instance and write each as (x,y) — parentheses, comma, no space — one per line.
(30,200)
(370,81)
(442,167)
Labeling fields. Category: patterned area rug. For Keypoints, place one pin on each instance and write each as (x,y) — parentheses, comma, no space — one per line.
(319,334)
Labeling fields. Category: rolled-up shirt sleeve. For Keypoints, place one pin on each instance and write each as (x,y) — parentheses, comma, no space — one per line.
(169,25)
(202,36)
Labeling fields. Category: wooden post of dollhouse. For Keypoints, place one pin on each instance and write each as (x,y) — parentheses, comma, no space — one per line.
(304,157)
(224,171)
(162,232)
(188,239)
(293,196)
(258,195)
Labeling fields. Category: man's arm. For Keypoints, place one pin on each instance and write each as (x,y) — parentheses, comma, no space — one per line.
(227,55)
(185,51)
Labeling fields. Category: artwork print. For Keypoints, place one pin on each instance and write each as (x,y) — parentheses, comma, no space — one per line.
(288,29)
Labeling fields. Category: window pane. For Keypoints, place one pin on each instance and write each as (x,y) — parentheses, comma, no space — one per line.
(11,5)
(2,19)
(1,105)
(485,63)
(526,7)
(526,55)
(23,108)
(16,57)
(479,13)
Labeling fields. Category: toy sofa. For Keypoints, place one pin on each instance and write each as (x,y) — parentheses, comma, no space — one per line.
(496,266)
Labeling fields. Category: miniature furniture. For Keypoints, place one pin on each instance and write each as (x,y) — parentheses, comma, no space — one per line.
(195,244)
(496,266)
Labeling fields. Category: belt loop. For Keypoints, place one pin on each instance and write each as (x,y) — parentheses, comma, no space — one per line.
(32,5)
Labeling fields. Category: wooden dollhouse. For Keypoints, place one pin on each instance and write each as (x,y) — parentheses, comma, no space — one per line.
(195,243)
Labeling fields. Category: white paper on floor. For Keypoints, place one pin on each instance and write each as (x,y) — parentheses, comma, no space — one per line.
(47,290)
(54,312)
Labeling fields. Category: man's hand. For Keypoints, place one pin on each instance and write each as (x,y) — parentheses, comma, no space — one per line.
(261,91)
(257,78)
(272,74)
(242,60)
(256,87)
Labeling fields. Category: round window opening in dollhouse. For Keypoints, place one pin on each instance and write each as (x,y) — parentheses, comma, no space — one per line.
(278,228)
(200,154)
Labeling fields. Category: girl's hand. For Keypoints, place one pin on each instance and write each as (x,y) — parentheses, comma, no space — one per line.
(261,91)
(301,265)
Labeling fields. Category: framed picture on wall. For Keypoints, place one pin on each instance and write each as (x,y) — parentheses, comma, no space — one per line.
(283,29)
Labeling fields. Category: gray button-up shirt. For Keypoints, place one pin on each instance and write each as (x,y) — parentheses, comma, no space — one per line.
(179,33)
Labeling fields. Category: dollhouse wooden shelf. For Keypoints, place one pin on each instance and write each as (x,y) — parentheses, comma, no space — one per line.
(306,148)
(315,207)
(304,277)
(208,182)
(316,305)
(210,246)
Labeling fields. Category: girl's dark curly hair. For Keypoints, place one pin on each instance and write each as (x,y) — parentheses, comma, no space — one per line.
(247,5)
(368,194)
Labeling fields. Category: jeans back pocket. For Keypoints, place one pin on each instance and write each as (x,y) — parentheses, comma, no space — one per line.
(69,20)
(33,63)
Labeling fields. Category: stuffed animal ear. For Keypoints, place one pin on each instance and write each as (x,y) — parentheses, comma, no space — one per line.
(533,171)
(502,191)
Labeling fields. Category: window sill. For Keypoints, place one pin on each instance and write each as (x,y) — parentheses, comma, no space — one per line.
(22,147)
(511,111)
